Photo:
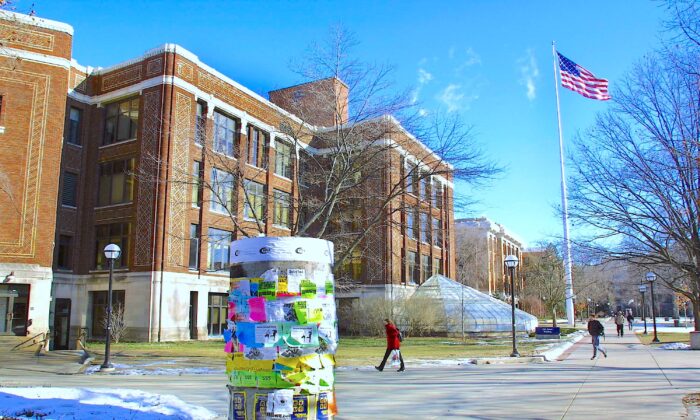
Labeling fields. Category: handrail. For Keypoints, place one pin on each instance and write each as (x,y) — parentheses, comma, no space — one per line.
(82,339)
(44,339)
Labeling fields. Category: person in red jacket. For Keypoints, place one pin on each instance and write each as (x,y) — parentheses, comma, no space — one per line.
(392,343)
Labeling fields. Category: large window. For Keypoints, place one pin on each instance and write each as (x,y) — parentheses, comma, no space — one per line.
(352,267)
(424,228)
(219,248)
(437,195)
(283,159)
(69,190)
(98,300)
(426,271)
(197,175)
(122,121)
(75,117)
(200,128)
(437,266)
(63,256)
(280,216)
(224,134)
(116,182)
(255,200)
(222,186)
(257,147)
(437,232)
(411,176)
(194,247)
(218,313)
(411,267)
(113,233)
(424,186)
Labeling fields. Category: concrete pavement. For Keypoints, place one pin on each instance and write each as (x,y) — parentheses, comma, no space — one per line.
(633,382)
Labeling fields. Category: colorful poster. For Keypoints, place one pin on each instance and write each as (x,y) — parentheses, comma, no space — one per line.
(301,407)
(294,278)
(239,409)
(260,406)
(328,306)
(241,286)
(322,410)
(274,310)
(260,353)
(267,380)
(282,286)
(290,314)
(330,290)
(300,311)
(266,334)
(314,310)
(267,289)
(257,309)
(304,335)
(254,286)
(308,288)
(281,402)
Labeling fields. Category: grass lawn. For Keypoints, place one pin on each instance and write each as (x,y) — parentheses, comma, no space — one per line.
(353,351)
(665,337)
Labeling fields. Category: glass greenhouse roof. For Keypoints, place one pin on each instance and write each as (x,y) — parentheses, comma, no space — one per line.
(481,313)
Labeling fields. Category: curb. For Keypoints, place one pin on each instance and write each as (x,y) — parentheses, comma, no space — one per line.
(553,353)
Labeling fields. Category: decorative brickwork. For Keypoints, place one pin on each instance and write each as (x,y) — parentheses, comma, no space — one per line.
(121,78)
(143,248)
(185,71)
(26,37)
(154,66)
(230,94)
(179,188)
(79,82)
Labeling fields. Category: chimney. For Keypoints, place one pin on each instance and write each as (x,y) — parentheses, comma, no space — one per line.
(321,103)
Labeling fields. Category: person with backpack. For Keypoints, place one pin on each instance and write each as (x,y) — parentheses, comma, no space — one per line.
(630,320)
(620,324)
(393,343)
(596,329)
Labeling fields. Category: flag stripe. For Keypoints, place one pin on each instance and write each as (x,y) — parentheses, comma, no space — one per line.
(582,81)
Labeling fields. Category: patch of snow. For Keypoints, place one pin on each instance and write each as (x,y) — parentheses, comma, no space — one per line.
(675,346)
(82,403)
(558,349)
(129,370)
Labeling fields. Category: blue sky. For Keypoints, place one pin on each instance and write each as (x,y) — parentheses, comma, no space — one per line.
(489,61)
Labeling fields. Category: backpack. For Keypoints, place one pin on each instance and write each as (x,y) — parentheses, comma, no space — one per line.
(400,337)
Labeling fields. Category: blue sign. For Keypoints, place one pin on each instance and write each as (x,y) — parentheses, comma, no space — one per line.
(548,331)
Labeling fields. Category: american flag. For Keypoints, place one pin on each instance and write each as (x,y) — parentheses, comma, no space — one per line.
(580,80)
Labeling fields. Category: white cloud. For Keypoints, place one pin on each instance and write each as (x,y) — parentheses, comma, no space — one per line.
(423,112)
(424,77)
(452,97)
(529,73)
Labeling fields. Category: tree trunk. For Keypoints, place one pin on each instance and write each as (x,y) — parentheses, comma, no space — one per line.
(696,313)
(554,317)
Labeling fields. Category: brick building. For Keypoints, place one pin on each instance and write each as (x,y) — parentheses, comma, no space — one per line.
(138,142)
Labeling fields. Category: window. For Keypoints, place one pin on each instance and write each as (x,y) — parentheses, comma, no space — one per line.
(219,247)
(280,211)
(69,190)
(98,301)
(283,159)
(224,134)
(197,175)
(122,121)
(437,195)
(217,314)
(352,267)
(75,117)
(411,267)
(411,177)
(113,233)
(426,271)
(194,247)
(63,257)
(424,228)
(424,186)
(306,169)
(116,182)
(257,147)
(222,185)
(437,266)
(437,232)
(255,200)
(200,128)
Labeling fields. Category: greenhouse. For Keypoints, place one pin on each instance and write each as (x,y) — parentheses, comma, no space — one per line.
(476,311)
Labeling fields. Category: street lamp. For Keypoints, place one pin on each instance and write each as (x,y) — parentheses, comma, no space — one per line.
(511,262)
(589,307)
(112,252)
(642,290)
(651,278)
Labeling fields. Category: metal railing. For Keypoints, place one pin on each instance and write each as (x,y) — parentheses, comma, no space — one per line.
(42,339)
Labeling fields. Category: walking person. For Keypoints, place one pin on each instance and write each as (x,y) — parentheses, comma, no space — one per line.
(595,329)
(620,324)
(393,342)
(630,320)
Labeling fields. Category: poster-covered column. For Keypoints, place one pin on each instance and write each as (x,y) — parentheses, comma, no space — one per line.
(282,329)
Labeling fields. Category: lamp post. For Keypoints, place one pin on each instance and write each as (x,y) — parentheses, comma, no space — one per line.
(651,278)
(642,290)
(511,262)
(589,307)
(112,252)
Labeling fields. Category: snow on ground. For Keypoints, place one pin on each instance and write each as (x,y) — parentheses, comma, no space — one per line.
(83,403)
(146,369)
(675,346)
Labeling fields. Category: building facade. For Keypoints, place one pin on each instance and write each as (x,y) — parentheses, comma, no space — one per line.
(171,160)
(482,246)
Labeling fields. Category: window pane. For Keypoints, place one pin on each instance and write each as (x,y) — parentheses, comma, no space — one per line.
(194,247)
(283,158)
(69,191)
(219,245)
(281,208)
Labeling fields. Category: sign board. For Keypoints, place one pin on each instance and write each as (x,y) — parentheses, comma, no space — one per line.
(547,332)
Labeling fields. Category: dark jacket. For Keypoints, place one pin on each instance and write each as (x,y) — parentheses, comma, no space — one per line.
(392,337)
(595,327)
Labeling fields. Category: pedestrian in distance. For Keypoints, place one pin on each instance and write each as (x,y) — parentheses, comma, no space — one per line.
(620,324)
(393,342)
(596,330)
(630,320)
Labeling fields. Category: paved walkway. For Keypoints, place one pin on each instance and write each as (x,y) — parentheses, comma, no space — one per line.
(633,382)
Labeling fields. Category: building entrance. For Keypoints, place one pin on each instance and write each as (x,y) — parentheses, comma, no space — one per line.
(7,300)
(61,324)
(14,308)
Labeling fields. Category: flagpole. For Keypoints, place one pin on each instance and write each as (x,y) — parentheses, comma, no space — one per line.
(565,207)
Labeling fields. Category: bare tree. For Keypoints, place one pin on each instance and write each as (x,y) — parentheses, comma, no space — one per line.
(636,183)
(115,320)
(544,274)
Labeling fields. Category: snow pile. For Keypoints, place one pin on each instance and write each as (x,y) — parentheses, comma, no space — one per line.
(83,403)
(675,346)
(557,349)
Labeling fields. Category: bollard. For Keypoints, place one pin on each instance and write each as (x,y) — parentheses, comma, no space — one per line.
(282,329)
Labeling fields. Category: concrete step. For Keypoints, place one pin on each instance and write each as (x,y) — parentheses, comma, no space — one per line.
(64,362)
